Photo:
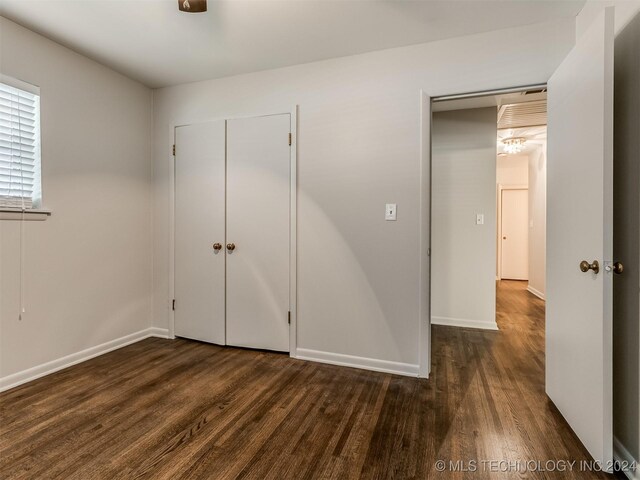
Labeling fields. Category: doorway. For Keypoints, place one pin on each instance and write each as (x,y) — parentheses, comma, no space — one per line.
(576,326)
(579,264)
(488,203)
(513,239)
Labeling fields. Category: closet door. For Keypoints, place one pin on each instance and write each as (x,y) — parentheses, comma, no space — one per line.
(199,232)
(258,189)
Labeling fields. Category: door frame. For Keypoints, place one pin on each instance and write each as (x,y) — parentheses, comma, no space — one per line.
(425,351)
(293,204)
(424,261)
(502,187)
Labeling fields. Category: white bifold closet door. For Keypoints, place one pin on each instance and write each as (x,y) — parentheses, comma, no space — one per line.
(258,209)
(199,224)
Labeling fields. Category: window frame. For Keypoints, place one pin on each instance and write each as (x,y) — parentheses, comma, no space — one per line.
(35,211)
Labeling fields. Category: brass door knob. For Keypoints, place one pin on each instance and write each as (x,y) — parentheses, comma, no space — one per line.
(217,246)
(586,266)
(231,247)
(617,267)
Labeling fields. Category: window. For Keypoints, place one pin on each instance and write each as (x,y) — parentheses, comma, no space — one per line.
(19,146)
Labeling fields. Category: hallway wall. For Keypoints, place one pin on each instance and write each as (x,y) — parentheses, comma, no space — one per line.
(512,170)
(537,220)
(463,185)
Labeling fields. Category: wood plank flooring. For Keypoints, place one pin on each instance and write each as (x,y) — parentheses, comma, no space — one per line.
(163,409)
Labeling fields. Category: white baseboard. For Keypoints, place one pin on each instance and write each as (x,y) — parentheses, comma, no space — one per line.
(19,378)
(157,332)
(464,322)
(357,362)
(624,457)
(537,293)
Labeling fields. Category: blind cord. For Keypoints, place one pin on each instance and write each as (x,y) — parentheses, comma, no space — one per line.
(21,142)
(22,253)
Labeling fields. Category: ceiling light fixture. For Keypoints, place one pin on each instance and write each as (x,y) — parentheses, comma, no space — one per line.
(513,145)
(192,6)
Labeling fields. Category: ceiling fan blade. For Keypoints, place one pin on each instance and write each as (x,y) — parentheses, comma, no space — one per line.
(192,6)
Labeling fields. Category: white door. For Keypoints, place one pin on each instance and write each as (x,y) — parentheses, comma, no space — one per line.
(199,224)
(579,227)
(258,189)
(515,234)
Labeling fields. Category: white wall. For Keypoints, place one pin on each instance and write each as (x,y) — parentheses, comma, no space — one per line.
(88,268)
(625,11)
(463,254)
(626,247)
(512,170)
(358,148)
(537,220)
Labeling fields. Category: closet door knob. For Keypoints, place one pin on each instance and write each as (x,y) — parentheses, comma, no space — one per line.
(217,246)
(586,266)
(231,247)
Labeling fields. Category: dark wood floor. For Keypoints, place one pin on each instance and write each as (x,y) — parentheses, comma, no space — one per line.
(162,409)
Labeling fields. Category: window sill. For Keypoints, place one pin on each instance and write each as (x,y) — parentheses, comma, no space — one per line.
(37,214)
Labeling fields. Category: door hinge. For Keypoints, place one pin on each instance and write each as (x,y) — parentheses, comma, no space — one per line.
(290,139)
(173,150)
(428,252)
(173,304)
(289,318)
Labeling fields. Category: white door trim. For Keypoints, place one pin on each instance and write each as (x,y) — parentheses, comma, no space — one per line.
(293,237)
(424,281)
(502,187)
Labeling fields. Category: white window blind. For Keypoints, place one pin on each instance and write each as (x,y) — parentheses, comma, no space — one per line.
(19,148)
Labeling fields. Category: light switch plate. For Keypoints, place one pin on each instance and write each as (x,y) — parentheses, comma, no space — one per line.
(390,212)
(479,219)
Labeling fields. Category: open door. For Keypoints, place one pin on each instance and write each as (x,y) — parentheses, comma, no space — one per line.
(579,228)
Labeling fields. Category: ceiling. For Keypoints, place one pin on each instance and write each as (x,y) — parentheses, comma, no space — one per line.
(151,41)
